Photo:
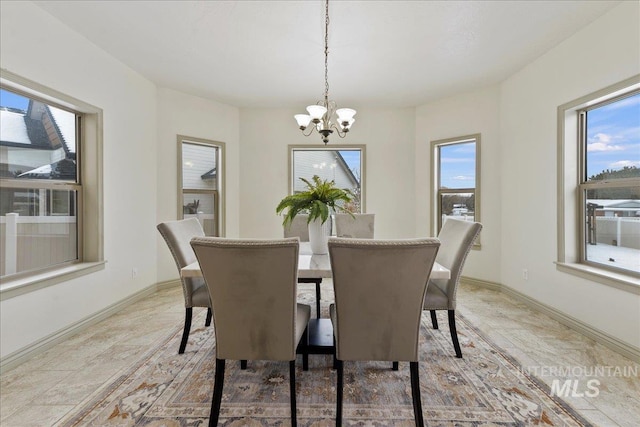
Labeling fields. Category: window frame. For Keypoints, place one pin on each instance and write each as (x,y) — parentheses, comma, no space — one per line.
(437,192)
(572,181)
(321,147)
(89,186)
(218,194)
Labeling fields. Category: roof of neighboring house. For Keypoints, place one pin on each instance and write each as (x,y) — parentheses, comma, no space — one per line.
(28,129)
(210,174)
(66,124)
(63,169)
(347,169)
(13,129)
(616,203)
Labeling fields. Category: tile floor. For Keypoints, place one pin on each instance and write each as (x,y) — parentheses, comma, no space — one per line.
(42,390)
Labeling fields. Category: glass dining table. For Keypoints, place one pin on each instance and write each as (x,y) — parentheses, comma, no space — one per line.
(312,266)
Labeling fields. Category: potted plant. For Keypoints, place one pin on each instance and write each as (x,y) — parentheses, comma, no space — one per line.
(320,198)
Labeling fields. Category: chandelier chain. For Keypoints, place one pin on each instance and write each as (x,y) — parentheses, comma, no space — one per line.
(325,117)
(326,52)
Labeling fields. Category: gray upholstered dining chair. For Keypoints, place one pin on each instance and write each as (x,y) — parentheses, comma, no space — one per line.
(178,235)
(379,288)
(359,226)
(456,237)
(299,227)
(253,288)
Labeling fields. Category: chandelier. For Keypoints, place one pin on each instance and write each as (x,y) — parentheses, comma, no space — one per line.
(324,116)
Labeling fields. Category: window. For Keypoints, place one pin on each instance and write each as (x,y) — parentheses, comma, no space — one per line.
(200,166)
(47,222)
(456,178)
(610,182)
(344,165)
(599,181)
(40,183)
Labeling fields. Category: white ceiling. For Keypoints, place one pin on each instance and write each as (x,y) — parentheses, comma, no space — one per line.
(381,53)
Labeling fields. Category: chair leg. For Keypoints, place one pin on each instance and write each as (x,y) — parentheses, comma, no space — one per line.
(217,393)
(305,349)
(340,368)
(208,321)
(317,281)
(243,364)
(415,393)
(454,333)
(292,391)
(187,327)
(395,366)
(318,298)
(434,319)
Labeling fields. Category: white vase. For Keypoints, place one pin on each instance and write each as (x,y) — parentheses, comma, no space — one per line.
(319,236)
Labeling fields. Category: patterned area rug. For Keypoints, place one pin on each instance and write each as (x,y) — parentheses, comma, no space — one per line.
(485,388)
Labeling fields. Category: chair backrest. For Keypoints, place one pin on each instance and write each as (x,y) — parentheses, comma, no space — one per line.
(178,235)
(456,237)
(379,288)
(359,226)
(298,228)
(253,286)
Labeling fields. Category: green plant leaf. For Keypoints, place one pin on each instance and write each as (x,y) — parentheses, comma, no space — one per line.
(318,200)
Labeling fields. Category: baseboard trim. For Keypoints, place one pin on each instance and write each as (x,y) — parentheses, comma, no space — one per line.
(168,284)
(597,335)
(20,356)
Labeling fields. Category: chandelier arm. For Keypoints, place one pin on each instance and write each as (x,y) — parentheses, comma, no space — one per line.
(339,131)
(311,127)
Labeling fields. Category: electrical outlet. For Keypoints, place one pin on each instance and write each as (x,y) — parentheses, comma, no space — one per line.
(525,274)
(134,272)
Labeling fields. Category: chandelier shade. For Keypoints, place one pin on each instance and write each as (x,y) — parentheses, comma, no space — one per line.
(303,120)
(324,115)
(316,112)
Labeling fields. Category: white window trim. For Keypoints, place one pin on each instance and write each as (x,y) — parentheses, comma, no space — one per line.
(569,224)
(91,255)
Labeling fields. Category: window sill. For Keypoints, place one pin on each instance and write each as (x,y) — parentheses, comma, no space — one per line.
(609,278)
(23,285)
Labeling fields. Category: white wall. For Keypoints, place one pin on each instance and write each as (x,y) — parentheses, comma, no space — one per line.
(388,135)
(181,114)
(36,46)
(465,114)
(603,53)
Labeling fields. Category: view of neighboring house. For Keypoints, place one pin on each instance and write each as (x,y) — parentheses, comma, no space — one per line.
(37,219)
(614,222)
(200,184)
(327,164)
(616,208)
(38,143)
